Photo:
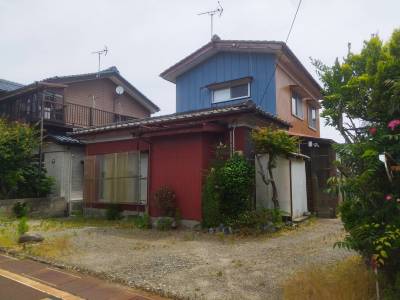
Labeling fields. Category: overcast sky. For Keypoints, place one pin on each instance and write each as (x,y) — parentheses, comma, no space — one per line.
(39,39)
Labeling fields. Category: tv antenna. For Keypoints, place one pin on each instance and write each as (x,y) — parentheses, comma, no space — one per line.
(100,53)
(211,13)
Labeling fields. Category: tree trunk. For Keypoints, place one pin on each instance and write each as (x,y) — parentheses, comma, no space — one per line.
(261,171)
(272,181)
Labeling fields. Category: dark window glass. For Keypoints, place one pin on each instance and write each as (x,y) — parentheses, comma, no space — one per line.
(239,91)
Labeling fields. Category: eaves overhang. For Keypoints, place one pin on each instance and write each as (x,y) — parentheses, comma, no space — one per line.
(186,117)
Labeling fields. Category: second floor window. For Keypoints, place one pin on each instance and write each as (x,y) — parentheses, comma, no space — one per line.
(231,93)
(297,105)
(312,117)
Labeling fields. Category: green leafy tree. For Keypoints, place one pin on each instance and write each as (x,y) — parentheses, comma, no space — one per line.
(364,88)
(20,174)
(274,143)
(362,101)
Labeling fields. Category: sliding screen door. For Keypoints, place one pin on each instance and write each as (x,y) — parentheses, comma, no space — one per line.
(122,177)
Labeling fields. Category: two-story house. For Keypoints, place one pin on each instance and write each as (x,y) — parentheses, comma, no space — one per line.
(63,103)
(226,72)
(223,91)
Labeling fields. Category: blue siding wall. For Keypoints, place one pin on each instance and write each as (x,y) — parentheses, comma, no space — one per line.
(191,91)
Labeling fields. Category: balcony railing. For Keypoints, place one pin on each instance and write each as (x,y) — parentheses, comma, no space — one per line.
(84,116)
(58,113)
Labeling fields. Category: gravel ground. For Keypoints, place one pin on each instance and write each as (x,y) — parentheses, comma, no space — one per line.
(190,265)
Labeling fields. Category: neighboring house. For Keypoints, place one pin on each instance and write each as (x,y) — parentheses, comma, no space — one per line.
(67,102)
(98,92)
(224,72)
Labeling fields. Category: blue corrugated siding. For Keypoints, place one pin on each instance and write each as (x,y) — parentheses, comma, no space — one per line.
(191,93)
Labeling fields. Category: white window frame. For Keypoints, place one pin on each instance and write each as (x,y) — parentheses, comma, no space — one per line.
(229,88)
(309,116)
(298,103)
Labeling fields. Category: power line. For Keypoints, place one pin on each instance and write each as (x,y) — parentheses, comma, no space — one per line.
(286,40)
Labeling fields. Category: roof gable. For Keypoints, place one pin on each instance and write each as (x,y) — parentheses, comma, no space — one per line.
(113,74)
(217,45)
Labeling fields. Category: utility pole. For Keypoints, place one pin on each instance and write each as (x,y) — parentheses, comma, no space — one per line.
(42,100)
(211,13)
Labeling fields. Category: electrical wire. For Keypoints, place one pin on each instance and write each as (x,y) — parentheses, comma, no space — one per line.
(286,40)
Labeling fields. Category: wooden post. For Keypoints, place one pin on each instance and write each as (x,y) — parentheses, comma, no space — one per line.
(90,116)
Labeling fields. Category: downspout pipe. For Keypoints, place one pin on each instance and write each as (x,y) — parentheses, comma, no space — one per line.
(232,139)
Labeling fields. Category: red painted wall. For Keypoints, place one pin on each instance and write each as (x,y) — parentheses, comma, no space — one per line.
(177,161)
(243,140)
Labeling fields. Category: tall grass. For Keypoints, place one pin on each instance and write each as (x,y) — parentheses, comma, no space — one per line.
(51,248)
(347,280)
(8,233)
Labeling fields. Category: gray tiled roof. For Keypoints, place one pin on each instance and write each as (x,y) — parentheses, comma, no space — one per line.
(247,105)
(7,86)
(63,139)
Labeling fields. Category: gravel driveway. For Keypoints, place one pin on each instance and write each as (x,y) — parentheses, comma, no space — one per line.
(191,265)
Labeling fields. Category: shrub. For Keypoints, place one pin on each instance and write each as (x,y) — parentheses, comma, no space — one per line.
(210,201)
(114,212)
(228,187)
(164,224)
(256,219)
(35,182)
(236,186)
(21,209)
(142,222)
(20,174)
(166,200)
(23,226)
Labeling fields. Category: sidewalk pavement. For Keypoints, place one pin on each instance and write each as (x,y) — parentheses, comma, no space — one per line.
(40,278)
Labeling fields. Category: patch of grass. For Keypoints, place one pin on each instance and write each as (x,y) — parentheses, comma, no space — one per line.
(8,233)
(80,222)
(347,280)
(8,239)
(50,248)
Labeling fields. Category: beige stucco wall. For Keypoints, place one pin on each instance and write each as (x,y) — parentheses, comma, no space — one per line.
(105,98)
(283,103)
